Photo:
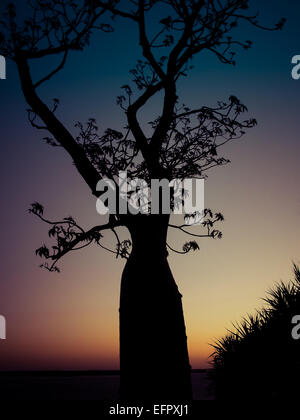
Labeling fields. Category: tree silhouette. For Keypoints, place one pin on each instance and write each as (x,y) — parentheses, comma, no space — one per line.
(180,143)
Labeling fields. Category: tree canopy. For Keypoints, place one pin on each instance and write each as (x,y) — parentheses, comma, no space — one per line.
(180,141)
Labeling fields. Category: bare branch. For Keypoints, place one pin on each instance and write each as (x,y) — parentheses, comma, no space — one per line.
(50,75)
(69,236)
(144,42)
(55,127)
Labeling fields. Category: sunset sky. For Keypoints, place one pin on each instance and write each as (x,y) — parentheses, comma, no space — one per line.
(70,320)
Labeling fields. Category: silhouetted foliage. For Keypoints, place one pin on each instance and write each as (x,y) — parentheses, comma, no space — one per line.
(179,142)
(259,359)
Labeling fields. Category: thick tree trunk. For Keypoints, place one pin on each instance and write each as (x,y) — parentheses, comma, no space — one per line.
(153,343)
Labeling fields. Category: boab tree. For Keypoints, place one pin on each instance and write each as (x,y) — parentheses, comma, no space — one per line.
(180,142)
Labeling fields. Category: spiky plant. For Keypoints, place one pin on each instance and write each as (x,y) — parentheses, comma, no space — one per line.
(259,359)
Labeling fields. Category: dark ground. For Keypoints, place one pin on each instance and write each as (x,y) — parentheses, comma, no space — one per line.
(100,386)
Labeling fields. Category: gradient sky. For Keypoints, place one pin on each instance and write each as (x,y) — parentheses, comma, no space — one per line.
(70,320)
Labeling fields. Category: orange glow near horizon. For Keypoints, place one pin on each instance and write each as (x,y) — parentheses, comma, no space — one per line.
(70,320)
